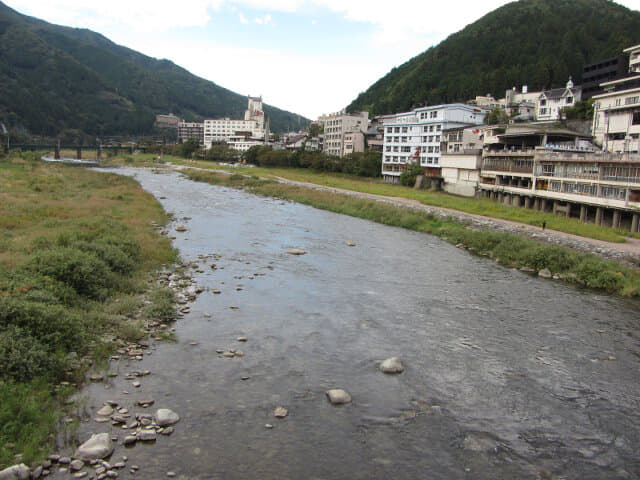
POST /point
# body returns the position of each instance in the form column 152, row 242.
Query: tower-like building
column 239, row 134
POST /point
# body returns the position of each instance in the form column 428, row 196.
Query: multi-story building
column 616, row 115
column 460, row 160
column 191, row 131
column 229, row 131
column 560, row 171
column 354, row 141
column 167, row 121
column 337, row 125
column 603, row 71
column 551, row 103
column 414, row 137
column 634, row 58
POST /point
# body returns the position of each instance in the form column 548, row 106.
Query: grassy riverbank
column 478, row 206
column 510, row 250
column 77, row 250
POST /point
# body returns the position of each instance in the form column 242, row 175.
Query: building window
column 543, row 102
column 404, row 129
column 543, row 111
column 389, row 130
column 397, row 130
column 635, row 120
column 569, row 99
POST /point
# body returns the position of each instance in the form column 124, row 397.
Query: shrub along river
column 506, row 375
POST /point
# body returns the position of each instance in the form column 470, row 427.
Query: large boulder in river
column 16, row 472
column 165, row 417
column 97, row 447
column 337, row 396
column 392, row 365
column 545, row 273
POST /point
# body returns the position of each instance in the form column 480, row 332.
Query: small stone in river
column 64, row 460
column 147, row 436
column 165, row 417
column 98, row 446
column 392, row 365
column 280, row 412
column 337, row 396
column 17, row 472
column 207, row 315
column 193, row 343
column 76, row 465
column 171, row 474
column 268, row 425
column 296, row 251
column 105, row 411
column 350, row 243
column 545, row 273
column 129, row 440
column 229, row 354
column 215, row 291
column 146, row 402
column 181, row 228
column 80, row 474
column 245, row 378
column 239, row 353
column 242, row 339
column 96, row 377
column 136, row 384
column 167, row 431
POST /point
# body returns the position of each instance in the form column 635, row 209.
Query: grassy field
column 478, row 206
column 510, row 250
column 77, row 252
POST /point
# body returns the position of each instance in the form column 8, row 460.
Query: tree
column 583, row 110
column 496, row 116
column 315, row 129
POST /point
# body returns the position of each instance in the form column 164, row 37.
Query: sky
column 306, row 56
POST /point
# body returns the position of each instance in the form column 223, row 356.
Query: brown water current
column 506, row 375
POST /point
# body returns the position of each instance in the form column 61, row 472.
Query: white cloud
column 264, row 20
column 243, row 19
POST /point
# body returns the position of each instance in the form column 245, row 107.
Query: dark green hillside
column 538, row 43
column 54, row 78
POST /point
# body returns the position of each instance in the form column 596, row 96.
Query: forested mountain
column 54, row 78
column 538, row 43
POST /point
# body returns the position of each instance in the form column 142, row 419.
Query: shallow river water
column 507, row 375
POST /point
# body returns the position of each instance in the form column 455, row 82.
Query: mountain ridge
column 538, row 43
column 55, row 78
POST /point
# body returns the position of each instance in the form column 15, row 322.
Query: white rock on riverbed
column 337, row 396
column 181, row 228
column 280, row 412
column 98, row 446
column 392, row 365
column 165, row 417
column 105, row 411
column 296, row 251
column 16, row 472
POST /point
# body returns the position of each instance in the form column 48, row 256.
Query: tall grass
column 73, row 243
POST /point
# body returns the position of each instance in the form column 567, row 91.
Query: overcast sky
column 306, row 56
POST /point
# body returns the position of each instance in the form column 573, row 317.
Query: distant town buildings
column 167, row 121
column 600, row 72
column 239, row 134
column 340, row 132
column 414, row 137
column 191, row 131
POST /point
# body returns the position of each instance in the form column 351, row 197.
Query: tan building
column 460, row 160
column 191, row 131
column 337, row 125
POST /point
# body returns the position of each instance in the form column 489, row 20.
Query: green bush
column 84, row 272
column 56, row 326
column 408, row 178
column 22, row 357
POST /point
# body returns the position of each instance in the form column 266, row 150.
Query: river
column 506, row 375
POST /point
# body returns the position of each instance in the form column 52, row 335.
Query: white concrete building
column 616, row 113
column 550, row 103
column 337, row 125
column 415, row 136
column 252, row 126
column 634, row 58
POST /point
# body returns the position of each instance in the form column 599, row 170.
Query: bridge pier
column 56, row 155
column 79, row 153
